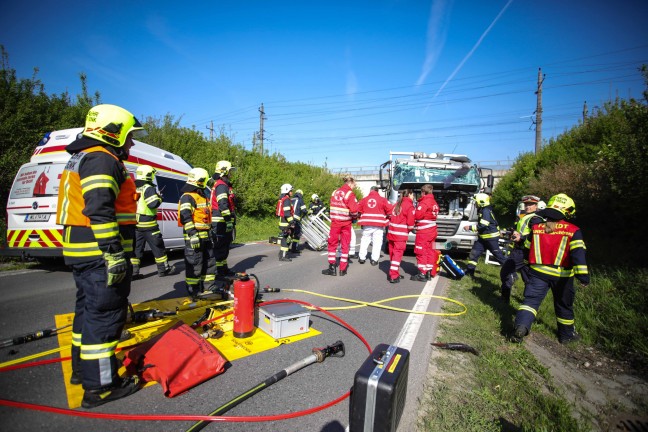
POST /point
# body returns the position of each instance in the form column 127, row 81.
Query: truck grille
column 447, row 227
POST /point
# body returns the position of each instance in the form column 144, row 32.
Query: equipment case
column 379, row 390
column 452, row 268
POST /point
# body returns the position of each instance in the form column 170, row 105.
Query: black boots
column 94, row 398
column 331, row 271
column 519, row 333
column 283, row 256
column 419, row 277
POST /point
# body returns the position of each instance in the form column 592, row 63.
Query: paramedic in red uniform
column 223, row 217
column 374, row 211
column 556, row 255
column 401, row 222
column 96, row 206
column 343, row 208
column 425, row 216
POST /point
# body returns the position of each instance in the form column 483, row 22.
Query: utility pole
column 211, row 130
column 585, row 112
column 261, row 118
column 538, row 137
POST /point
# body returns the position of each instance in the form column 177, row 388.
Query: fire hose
column 318, row 356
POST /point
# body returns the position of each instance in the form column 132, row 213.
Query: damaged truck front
column 455, row 180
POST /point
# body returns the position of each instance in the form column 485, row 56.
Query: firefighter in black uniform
column 316, row 205
column 96, row 206
column 286, row 221
column 223, row 217
column 194, row 215
column 516, row 261
column 299, row 211
column 148, row 230
column 556, row 256
column 488, row 234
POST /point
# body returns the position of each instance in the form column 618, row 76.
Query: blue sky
column 342, row 83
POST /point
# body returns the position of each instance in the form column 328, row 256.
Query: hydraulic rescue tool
column 455, row 346
column 318, row 356
column 40, row 334
column 147, row 315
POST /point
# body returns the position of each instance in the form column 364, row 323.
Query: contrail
column 481, row 38
column 436, row 36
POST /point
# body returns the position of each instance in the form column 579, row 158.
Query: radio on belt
column 282, row 320
column 379, row 390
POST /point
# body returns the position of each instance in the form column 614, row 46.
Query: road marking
column 19, row 272
column 411, row 327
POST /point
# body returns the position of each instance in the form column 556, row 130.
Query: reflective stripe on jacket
column 374, row 210
column 426, row 213
column 401, row 224
column 343, row 206
column 194, row 213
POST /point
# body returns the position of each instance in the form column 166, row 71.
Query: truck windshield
column 406, row 176
column 37, row 181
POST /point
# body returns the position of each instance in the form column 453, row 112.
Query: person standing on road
column 488, row 234
column 401, row 222
column 556, row 255
column 425, row 215
column 147, row 228
column 299, row 211
column 516, row 259
column 223, row 215
column 194, row 215
column 96, row 206
column 286, row 220
column 316, row 205
column 344, row 208
column 374, row 210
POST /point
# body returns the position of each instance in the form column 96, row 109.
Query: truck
column 32, row 231
column 455, row 180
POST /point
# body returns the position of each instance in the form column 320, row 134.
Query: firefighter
column 316, row 205
column 425, row 215
column 286, row 221
column 556, row 255
column 488, row 234
column 344, row 208
column 147, row 229
column 374, row 210
column 516, row 259
column 194, row 215
column 223, row 217
column 96, row 206
column 299, row 211
column 401, row 222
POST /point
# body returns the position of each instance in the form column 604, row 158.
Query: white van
column 31, row 208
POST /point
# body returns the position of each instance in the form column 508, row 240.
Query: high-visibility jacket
column 284, row 211
column 486, row 227
column 343, row 206
column 96, row 203
column 299, row 207
column 147, row 204
column 522, row 226
column 194, row 214
column 560, row 253
column 426, row 213
column 223, row 202
column 374, row 210
column 402, row 223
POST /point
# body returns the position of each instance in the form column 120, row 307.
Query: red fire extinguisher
column 244, row 297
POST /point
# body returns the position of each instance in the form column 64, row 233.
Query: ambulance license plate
column 37, row 217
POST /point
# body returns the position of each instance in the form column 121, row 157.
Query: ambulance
column 32, row 231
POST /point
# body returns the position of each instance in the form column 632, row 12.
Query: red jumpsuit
column 426, row 232
column 399, row 227
column 343, row 207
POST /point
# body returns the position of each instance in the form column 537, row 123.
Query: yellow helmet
column 111, row 124
column 223, row 167
column 145, row 172
column 197, row 177
column 314, row 197
column 299, row 191
column 482, row 199
column 563, row 204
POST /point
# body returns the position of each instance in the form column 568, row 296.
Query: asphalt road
column 31, row 298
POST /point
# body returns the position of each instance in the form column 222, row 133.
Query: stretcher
column 315, row 229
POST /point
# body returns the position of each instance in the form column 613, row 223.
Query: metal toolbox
column 281, row 320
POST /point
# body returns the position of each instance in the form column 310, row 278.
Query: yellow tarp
column 230, row 347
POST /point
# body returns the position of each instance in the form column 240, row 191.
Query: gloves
column 117, row 266
column 229, row 226
column 194, row 241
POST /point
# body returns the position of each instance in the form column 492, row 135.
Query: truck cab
column 455, row 181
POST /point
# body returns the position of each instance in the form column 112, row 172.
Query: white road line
column 411, row 327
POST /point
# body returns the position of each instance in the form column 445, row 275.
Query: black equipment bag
column 451, row 267
column 379, row 390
